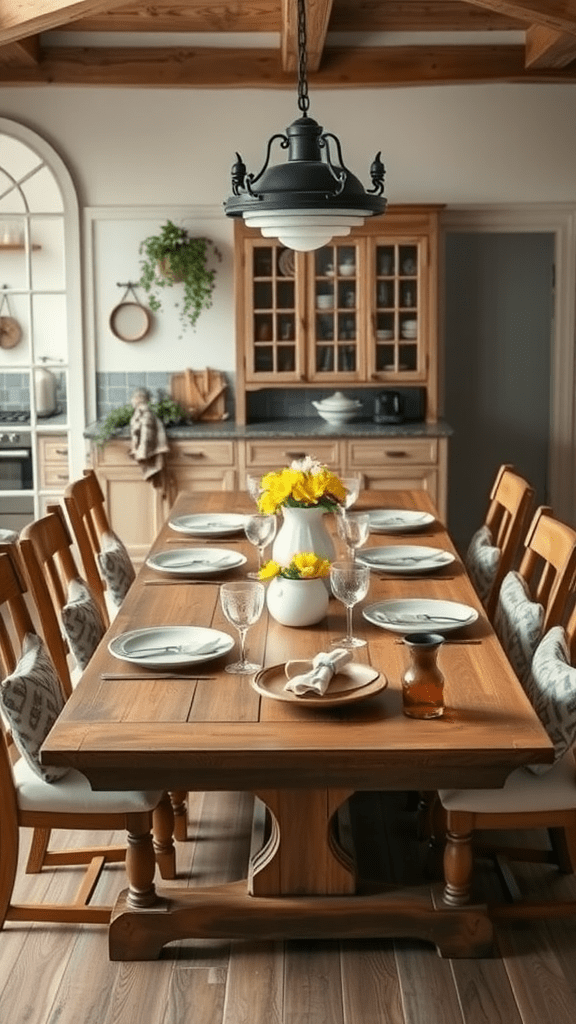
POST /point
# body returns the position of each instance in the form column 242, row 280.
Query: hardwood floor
column 55, row 974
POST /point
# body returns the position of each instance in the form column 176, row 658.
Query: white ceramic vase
column 297, row 602
column 302, row 530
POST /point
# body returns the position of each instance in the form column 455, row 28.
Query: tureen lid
column 338, row 401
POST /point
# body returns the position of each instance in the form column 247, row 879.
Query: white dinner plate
column 152, row 647
column 405, row 559
column 195, row 561
column 398, row 520
column 209, row 524
column 420, row 615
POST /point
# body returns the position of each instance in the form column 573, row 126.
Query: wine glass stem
column 349, row 610
column 261, row 548
column 242, row 633
column 351, row 552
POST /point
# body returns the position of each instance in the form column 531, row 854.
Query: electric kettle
column 389, row 407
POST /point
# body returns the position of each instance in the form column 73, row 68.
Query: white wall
column 163, row 148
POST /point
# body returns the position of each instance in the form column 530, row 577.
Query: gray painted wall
column 498, row 319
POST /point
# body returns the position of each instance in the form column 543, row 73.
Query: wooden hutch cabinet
column 361, row 311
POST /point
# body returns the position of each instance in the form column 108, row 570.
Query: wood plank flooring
column 56, row 974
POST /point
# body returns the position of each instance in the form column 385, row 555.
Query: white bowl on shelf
column 347, row 269
column 325, row 301
column 385, row 334
column 338, row 408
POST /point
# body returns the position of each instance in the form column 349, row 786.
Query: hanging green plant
column 173, row 256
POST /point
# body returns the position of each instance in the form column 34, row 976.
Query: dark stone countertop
column 312, row 427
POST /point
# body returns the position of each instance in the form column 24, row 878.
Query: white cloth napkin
column 324, row 666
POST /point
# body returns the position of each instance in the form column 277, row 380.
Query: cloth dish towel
column 149, row 444
column 324, row 666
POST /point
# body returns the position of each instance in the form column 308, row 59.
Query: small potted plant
column 173, row 256
column 297, row 595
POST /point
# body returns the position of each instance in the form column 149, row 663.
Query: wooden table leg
column 140, row 861
column 302, row 817
column 292, row 895
column 458, row 860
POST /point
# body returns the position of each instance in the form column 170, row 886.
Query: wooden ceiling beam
column 342, row 68
column 317, row 18
column 546, row 48
column 265, row 16
column 24, row 52
column 19, row 19
column 556, row 14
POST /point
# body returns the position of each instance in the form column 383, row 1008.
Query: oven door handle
column 14, row 453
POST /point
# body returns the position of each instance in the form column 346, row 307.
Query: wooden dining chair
column 494, row 547
column 537, row 798
column 86, row 511
column 107, row 564
column 41, row 799
column 69, row 615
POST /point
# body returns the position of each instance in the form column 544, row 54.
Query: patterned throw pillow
column 518, row 624
column 117, row 569
column 82, row 622
column 552, row 692
column 482, row 560
column 31, row 701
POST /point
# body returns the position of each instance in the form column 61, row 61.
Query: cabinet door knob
column 396, row 454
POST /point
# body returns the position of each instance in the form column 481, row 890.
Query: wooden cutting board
column 202, row 393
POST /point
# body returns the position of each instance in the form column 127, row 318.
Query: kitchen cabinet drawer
column 202, row 453
column 269, row 455
column 392, row 452
column 53, row 467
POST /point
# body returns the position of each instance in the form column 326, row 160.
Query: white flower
column 307, row 465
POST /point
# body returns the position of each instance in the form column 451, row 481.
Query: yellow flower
column 304, row 484
column 306, row 564
column 269, row 571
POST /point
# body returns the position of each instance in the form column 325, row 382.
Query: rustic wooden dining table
column 201, row 728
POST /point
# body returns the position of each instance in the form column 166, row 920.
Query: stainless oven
column 16, row 477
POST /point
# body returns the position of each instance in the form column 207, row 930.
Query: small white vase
column 297, row 602
column 302, row 529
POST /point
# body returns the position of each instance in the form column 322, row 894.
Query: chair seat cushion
column 82, row 622
column 551, row 688
column 73, row 794
column 518, row 623
column 31, row 700
column 523, row 791
column 482, row 560
column 116, row 566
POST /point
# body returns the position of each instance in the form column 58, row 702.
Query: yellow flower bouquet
column 303, row 566
column 306, row 483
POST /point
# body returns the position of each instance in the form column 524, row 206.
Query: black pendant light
column 313, row 197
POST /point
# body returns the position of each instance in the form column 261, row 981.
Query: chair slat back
column 46, row 549
column 84, row 502
column 511, row 500
column 15, row 619
column 548, row 565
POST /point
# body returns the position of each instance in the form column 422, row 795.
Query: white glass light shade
column 304, row 230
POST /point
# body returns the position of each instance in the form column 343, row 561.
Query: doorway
column 499, row 309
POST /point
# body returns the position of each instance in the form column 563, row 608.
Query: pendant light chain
column 303, row 99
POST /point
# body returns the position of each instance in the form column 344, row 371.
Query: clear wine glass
column 253, row 486
column 260, row 529
column 352, row 485
column 349, row 582
column 242, row 603
column 354, row 529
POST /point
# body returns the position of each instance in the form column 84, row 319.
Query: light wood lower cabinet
column 136, row 508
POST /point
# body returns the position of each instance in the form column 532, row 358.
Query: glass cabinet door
column 334, row 312
column 273, row 328
column 398, row 308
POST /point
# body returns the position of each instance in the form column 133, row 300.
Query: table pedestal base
column 229, row 911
